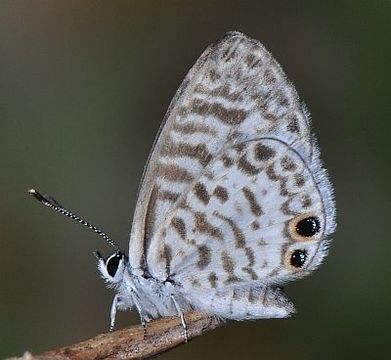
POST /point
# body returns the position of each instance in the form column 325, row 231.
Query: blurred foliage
column 83, row 88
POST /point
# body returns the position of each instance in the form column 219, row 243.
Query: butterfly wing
column 236, row 92
column 247, row 226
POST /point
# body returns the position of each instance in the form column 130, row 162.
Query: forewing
column 234, row 93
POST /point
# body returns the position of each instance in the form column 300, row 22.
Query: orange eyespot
column 298, row 258
column 308, row 226
column 305, row 227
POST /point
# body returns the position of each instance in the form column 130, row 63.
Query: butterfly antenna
column 54, row 204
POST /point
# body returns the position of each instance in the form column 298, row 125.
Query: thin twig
column 163, row 335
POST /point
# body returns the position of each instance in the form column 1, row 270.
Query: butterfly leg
column 141, row 315
column 113, row 312
column 180, row 314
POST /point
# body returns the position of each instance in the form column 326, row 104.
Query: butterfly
column 234, row 201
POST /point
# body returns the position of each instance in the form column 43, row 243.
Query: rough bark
column 162, row 335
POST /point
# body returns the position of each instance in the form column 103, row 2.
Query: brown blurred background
column 83, row 88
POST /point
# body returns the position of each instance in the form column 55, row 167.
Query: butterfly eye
column 113, row 263
column 308, row 226
column 298, row 258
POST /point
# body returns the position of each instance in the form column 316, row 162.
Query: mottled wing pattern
column 236, row 92
column 237, row 224
column 229, row 241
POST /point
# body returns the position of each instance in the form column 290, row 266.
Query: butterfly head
column 112, row 268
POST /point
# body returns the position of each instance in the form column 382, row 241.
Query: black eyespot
column 308, row 226
column 112, row 264
column 298, row 258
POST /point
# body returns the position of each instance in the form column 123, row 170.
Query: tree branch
column 163, row 335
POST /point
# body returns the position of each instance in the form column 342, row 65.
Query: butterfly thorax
column 152, row 297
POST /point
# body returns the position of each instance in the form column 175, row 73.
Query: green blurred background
column 83, row 88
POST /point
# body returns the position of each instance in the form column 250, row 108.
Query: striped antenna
column 53, row 204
